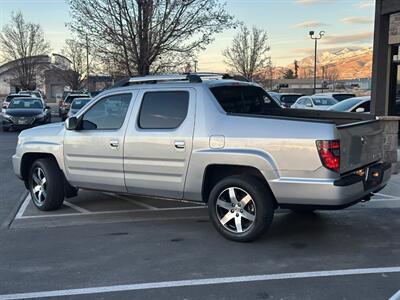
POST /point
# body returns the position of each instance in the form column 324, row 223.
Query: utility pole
column 316, row 38
column 195, row 65
column 87, row 61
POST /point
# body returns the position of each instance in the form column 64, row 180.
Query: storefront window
column 395, row 81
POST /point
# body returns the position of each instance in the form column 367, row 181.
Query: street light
column 316, row 38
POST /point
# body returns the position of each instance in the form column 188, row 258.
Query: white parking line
column 384, row 195
column 395, row 296
column 139, row 203
column 198, row 282
column 111, row 212
column 76, row 207
column 23, row 207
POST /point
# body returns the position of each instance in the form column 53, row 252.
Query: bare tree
column 332, row 75
column 248, row 53
column 141, row 34
column 75, row 72
column 24, row 43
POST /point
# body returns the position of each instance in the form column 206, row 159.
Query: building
column 50, row 77
column 386, row 59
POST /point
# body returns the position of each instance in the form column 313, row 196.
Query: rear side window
column 163, row 110
column 243, row 99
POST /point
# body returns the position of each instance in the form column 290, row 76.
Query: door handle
column 114, row 144
column 179, row 144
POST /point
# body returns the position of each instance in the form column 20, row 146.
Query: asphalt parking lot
column 109, row 246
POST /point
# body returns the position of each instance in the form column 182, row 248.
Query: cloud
column 365, row 4
column 309, row 24
column 310, row 2
column 360, row 37
column 356, row 20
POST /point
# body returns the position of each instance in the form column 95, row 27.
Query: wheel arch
column 214, row 173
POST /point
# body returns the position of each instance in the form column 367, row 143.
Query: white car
column 314, row 102
column 356, row 104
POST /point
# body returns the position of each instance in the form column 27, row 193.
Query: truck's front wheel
column 241, row 208
column 46, row 184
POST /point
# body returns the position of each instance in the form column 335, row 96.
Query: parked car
column 314, row 102
column 215, row 141
column 9, row 97
column 286, row 99
column 356, row 104
column 337, row 96
column 23, row 113
column 65, row 105
column 37, row 94
column 77, row 104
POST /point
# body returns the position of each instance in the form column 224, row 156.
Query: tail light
column 329, row 153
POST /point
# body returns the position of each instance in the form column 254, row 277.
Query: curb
column 10, row 218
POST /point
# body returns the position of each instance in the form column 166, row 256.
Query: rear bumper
column 330, row 193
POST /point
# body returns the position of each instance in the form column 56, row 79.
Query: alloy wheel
column 39, row 186
column 236, row 210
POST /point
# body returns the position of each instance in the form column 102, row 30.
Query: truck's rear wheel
column 241, row 208
column 46, row 184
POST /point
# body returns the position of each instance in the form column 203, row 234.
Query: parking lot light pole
column 316, row 38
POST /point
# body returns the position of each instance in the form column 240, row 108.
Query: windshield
column 79, row 103
column 345, row 105
column 319, row 101
column 25, row 103
column 243, row 99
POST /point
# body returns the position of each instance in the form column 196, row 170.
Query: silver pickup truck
column 206, row 138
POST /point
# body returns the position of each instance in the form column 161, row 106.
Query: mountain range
column 348, row 63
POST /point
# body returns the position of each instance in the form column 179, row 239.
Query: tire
column 254, row 214
column 47, row 194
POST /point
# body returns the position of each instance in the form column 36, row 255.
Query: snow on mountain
column 349, row 63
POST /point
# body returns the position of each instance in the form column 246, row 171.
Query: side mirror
column 71, row 123
column 308, row 105
column 360, row 109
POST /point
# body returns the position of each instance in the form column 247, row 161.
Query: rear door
column 361, row 144
column 158, row 142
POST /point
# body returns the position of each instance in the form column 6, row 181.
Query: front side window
column 107, row 114
column 163, row 110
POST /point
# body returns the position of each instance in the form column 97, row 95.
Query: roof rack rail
column 188, row 77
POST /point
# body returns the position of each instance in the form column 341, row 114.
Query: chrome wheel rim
column 236, row 210
column 39, row 186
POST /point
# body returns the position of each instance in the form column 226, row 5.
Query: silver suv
column 206, row 138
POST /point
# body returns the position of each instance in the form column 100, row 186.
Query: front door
column 158, row 142
column 93, row 153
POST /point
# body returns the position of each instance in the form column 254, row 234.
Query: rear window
column 243, row 99
column 289, row 99
column 344, row 105
column 72, row 97
column 340, row 97
column 324, row 101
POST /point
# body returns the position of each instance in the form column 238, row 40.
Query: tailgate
column 361, row 143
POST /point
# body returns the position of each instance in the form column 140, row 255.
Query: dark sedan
column 23, row 113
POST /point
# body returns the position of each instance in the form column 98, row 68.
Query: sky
column 347, row 23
